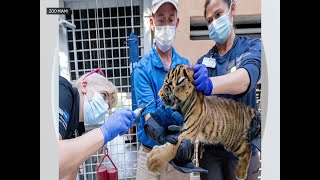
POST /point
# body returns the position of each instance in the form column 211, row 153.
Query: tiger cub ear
column 188, row 72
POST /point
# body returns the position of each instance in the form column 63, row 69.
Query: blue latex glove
column 201, row 79
column 118, row 123
column 167, row 118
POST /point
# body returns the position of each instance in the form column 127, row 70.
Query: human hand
column 201, row 80
column 118, row 123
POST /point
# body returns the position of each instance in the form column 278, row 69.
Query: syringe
column 140, row 110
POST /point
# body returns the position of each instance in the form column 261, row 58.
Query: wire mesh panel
column 99, row 40
column 124, row 155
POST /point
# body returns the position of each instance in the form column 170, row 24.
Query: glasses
column 94, row 71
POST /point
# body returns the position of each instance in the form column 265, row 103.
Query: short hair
column 228, row 2
column 97, row 79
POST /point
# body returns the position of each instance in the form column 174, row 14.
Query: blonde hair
column 97, row 79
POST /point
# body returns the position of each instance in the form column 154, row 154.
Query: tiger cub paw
column 241, row 173
column 157, row 158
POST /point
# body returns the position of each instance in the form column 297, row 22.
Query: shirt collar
column 157, row 61
column 215, row 50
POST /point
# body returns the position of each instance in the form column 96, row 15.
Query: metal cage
column 99, row 40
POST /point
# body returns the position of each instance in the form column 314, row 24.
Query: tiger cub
column 208, row 119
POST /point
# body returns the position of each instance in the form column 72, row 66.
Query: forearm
column 73, row 152
column 233, row 83
column 71, row 176
column 147, row 116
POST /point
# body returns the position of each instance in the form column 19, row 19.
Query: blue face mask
column 95, row 109
column 220, row 28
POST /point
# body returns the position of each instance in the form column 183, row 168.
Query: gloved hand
column 254, row 133
column 183, row 160
column 167, row 118
column 255, row 127
column 184, row 153
column 159, row 134
column 201, row 79
column 118, row 123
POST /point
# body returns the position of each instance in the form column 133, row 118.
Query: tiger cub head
column 177, row 87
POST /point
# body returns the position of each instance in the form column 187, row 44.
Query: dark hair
column 208, row 2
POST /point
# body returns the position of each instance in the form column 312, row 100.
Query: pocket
column 142, row 161
column 142, row 153
column 142, row 168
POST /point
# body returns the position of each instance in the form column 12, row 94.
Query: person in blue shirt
column 149, row 76
column 231, row 69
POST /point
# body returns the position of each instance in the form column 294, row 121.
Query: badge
column 209, row 62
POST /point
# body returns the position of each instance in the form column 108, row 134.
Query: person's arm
column 233, row 83
column 73, row 152
column 71, row 176
column 240, row 81
column 147, row 116
column 143, row 92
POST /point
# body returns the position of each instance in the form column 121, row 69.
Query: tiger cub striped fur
column 208, row 119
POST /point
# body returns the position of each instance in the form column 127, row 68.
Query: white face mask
column 95, row 109
column 164, row 37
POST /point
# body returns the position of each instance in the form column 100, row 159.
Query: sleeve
column 65, row 107
column 143, row 90
column 187, row 62
column 252, row 63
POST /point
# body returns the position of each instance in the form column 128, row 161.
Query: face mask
column 220, row 28
column 95, row 109
column 164, row 37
